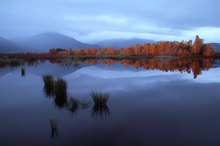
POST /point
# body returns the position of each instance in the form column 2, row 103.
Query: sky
column 96, row 20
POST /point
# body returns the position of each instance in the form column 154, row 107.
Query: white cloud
column 97, row 19
column 152, row 19
column 96, row 36
column 210, row 34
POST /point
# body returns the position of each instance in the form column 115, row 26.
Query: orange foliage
column 181, row 64
column 208, row 50
column 182, row 49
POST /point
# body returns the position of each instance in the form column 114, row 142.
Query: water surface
column 149, row 104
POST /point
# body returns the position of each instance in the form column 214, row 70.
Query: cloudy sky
column 93, row 20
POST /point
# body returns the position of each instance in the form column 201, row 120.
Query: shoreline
column 115, row 57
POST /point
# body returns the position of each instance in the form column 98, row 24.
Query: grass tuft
column 48, row 85
column 60, row 88
column 99, row 98
column 73, row 105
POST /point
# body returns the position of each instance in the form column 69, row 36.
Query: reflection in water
column 2, row 63
column 53, row 126
column 100, row 111
column 177, row 111
column 73, row 105
column 100, row 108
column 14, row 62
column 194, row 65
column 57, row 90
column 23, row 72
column 99, row 98
column 170, row 64
column 85, row 104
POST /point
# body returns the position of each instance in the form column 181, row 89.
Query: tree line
column 182, row 49
column 188, row 65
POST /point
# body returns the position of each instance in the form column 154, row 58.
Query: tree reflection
column 188, row 65
column 2, row 63
column 196, row 68
column 194, row 65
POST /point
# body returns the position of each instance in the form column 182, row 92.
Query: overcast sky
column 93, row 20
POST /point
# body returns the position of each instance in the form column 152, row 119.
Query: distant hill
column 7, row 46
column 216, row 46
column 41, row 43
column 120, row 43
column 45, row 41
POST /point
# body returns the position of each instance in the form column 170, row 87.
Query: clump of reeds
column 85, row 104
column 60, row 88
column 73, row 105
column 22, row 71
column 99, row 98
column 60, row 92
column 56, row 89
column 48, row 85
column 100, row 111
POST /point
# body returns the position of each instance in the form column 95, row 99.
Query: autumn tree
column 70, row 52
column 208, row 50
column 110, row 51
column 183, row 49
column 137, row 49
column 86, row 51
column 126, row 51
column 78, row 52
column 189, row 45
column 146, row 49
column 93, row 51
column 197, row 46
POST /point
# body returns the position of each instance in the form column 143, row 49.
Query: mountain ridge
column 7, row 46
column 48, row 40
column 216, row 46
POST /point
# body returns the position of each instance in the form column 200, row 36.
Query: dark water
column 145, row 107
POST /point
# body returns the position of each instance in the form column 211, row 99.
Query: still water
column 148, row 104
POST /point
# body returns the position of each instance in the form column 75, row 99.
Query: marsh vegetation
column 141, row 98
column 57, row 88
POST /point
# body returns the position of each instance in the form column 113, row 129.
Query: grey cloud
column 83, row 17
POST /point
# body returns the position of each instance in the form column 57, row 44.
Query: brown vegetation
column 177, row 49
column 181, row 49
column 175, row 64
